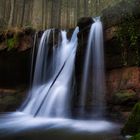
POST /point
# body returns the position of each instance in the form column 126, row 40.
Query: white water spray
column 48, row 104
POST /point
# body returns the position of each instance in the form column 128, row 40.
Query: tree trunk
column 11, row 13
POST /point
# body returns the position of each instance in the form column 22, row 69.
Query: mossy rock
column 11, row 43
column 136, row 137
column 8, row 103
column 132, row 126
column 124, row 96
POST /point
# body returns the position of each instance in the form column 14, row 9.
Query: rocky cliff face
column 121, row 57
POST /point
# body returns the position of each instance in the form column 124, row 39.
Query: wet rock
column 20, row 39
column 125, row 97
column 29, row 31
column 84, row 28
column 123, row 90
column 11, row 99
column 69, row 33
column 132, row 125
column 123, row 79
column 110, row 33
column 113, row 54
column 25, row 43
column 14, row 68
column 84, row 22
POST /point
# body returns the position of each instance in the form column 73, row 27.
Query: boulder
column 132, row 126
column 84, row 22
column 124, row 97
column 11, row 99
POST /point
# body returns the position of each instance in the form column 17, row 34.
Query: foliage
column 132, row 126
column 124, row 95
column 128, row 35
column 11, row 42
column 128, row 31
column 136, row 137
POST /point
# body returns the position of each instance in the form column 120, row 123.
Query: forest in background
column 42, row 14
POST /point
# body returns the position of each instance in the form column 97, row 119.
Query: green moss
column 132, row 126
column 7, row 102
column 136, row 137
column 124, row 95
column 11, row 42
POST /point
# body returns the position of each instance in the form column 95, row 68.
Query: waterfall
column 93, row 80
column 52, row 83
column 47, row 107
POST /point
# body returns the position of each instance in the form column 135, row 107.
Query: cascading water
column 94, row 70
column 48, row 105
column 50, row 96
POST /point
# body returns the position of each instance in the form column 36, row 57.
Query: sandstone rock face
column 123, row 90
column 123, row 79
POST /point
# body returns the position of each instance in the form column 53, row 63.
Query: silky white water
column 48, row 105
column 93, row 68
column 49, row 97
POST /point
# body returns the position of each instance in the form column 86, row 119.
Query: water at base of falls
column 47, row 107
column 21, row 126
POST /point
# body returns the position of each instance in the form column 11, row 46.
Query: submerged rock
column 132, row 126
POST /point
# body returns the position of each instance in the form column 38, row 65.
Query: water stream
column 94, row 71
column 47, row 109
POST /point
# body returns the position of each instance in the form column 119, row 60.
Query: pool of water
column 18, row 126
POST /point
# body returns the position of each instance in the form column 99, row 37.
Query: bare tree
column 11, row 13
column 22, row 14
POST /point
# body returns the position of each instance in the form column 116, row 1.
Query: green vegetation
column 11, row 42
column 124, row 95
column 132, row 126
column 136, row 137
column 128, row 34
column 128, row 31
